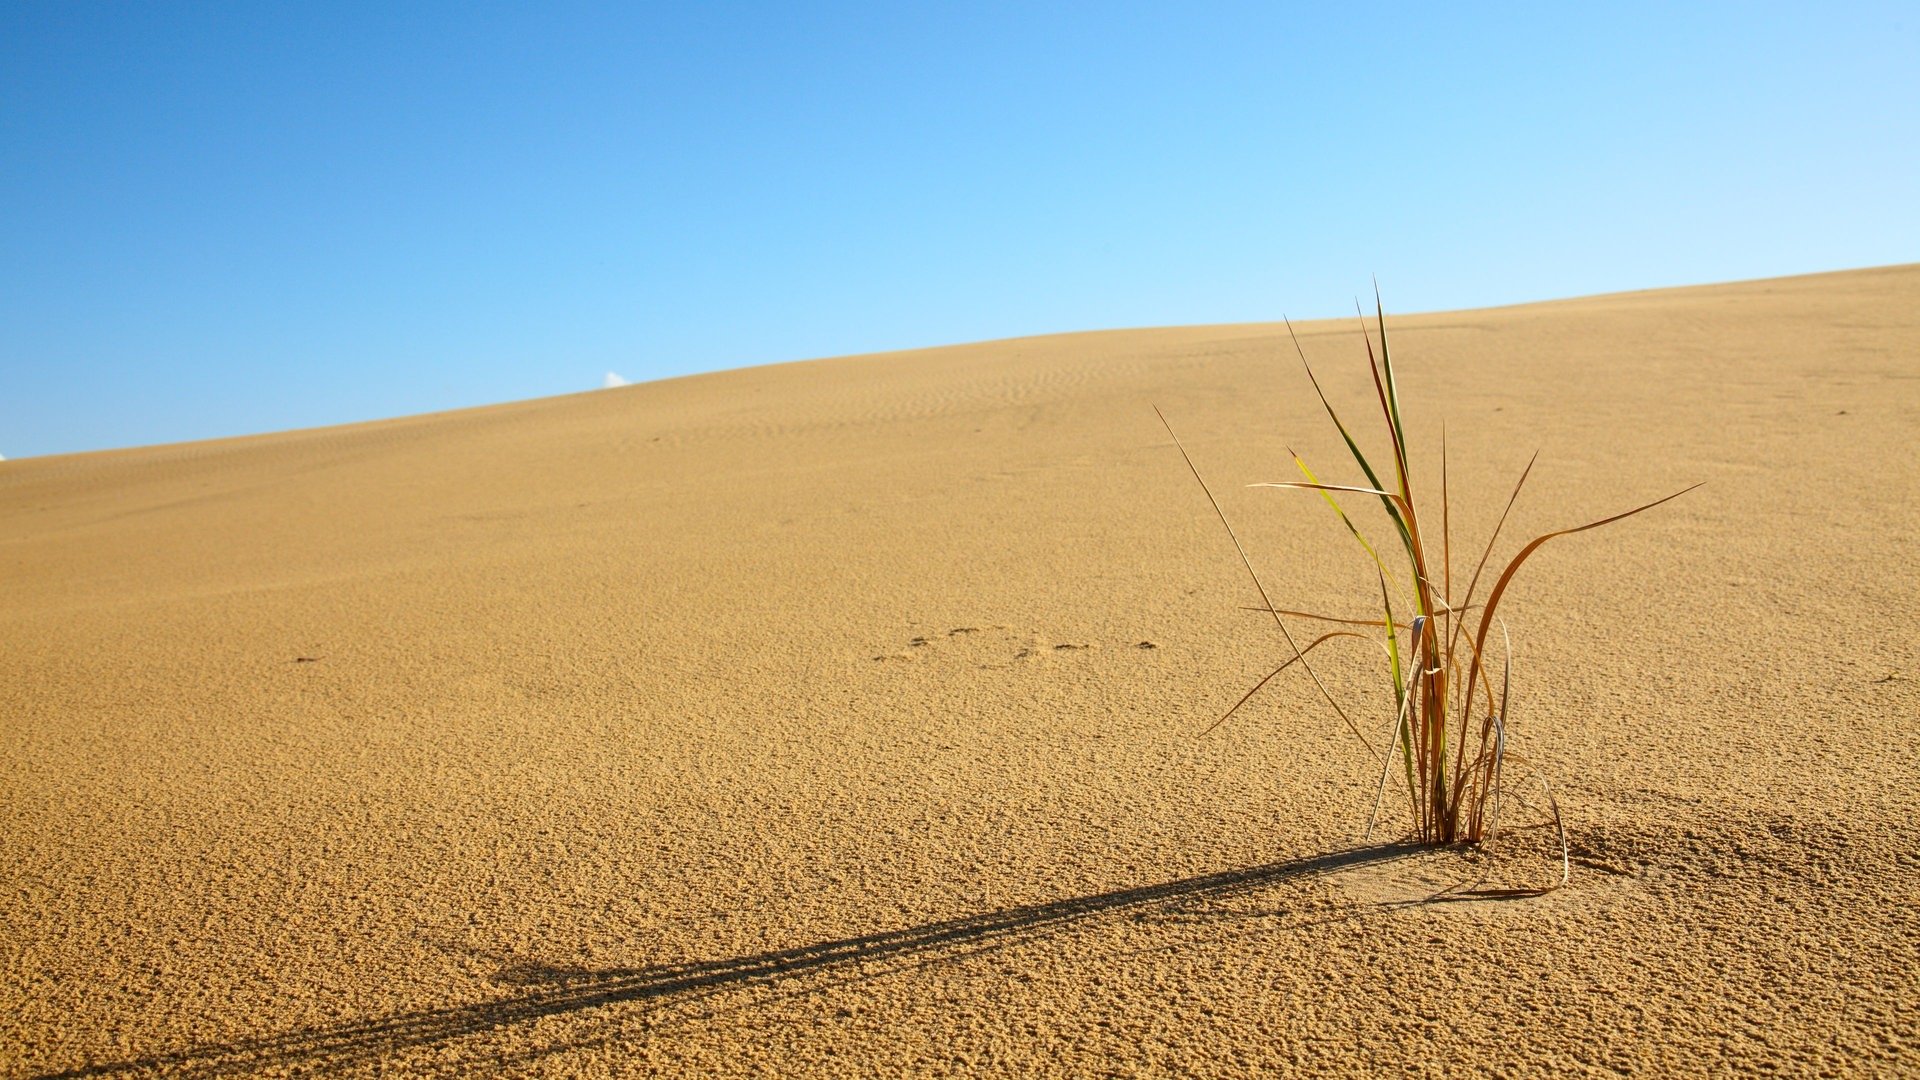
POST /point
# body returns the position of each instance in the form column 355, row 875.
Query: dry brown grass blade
column 1473, row 583
column 1326, row 618
column 1264, row 598
column 1513, row 567
column 1397, row 500
column 1441, row 608
column 1269, row 677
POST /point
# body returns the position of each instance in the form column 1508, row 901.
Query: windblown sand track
column 840, row 717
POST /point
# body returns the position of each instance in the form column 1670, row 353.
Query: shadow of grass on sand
column 557, row 992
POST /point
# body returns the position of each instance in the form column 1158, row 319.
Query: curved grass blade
column 1506, row 576
column 1248, row 696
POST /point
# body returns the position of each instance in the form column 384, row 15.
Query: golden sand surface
column 843, row 718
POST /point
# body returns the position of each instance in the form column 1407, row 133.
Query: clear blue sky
column 226, row 218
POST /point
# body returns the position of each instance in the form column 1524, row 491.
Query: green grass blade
column 1352, row 447
column 1401, row 736
column 1348, row 522
column 1389, row 406
column 1393, row 394
column 1393, row 649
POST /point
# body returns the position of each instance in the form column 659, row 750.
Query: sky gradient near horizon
column 221, row 219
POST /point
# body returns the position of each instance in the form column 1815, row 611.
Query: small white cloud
column 612, row 380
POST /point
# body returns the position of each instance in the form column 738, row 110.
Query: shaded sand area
column 841, row 718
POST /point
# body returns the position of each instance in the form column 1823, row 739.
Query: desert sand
column 843, row 718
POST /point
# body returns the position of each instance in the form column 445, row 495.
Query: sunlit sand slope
column 842, row 718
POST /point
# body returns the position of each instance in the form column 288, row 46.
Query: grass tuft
column 1449, row 731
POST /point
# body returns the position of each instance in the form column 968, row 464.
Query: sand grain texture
column 801, row 720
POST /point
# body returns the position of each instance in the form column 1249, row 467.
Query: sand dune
column 840, row 718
